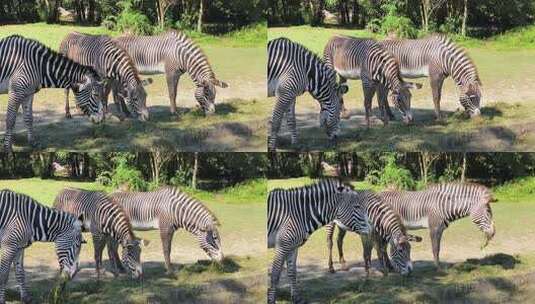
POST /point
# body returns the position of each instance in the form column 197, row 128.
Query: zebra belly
column 4, row 86
column 420, row 223
column 349, row 74
column 151, row 69
column 415, row 72
column 145, row 225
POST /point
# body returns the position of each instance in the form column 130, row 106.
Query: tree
column 195, row 170
column 162, row 6
column 201, row 13
column 428, row 8
column 158, row 159
column 426, row 161
column 465, row 17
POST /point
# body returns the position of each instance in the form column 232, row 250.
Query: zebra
column 112, row 62
column 105, row 220
column 387, row 228
column 439, row 205
column 26, row 66
column 169, row 209
column 293, row 70
column 365, row 59
column 174, row 54
column 24, row 221
column 437, row 57
column 294, row 214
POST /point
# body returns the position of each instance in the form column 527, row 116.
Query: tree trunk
column 195, row 170
column 465, row 17
column 91, row 11
column 201, row 12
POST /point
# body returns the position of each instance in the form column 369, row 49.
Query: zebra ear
column 343, row 89
column 220, row 83
column 412, row 85
column 146, row 82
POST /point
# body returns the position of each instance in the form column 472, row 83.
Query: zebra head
column 351, row 213
column 68, row 245
column 205, row 94
column 402, row 100
column 481, row 215
column 210, row 242
column 400, row 252
column 131, row 256
column 470, row 98
column 331, row 108
column 89, row 96
column 134, row 94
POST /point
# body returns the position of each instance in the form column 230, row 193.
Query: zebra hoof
column 331, row 270
column 344, row 267
column 68, row 115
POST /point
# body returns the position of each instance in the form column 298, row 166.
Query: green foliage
column 395, row 24
column 518, row 190
column 125, row 174
column 392, row 175
column 132, row 20
column 452, row 25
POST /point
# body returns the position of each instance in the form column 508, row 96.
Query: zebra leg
column 276, row 269
column 67, row 108
column 436, row 236
column 292, row 276
column 11, row 117
column 329, row 228
column 113, row 256
column 292, row 124
column 340, row 244
column 367, row 247
column 281, row 107
column 27, row 115
column 21, row 277
column 166, row 234
column 98, row 242
column 436, row 87
column 8, row 254
column 172, row 78
column 369, row 91
column 381, row 247
column 382, row 98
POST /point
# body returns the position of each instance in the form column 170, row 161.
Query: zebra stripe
column 169, row 209
column 294, row 214
column 110, row 61
column 24, row 221
column 437, row 57
column 174, row 54
column 26, row 66
column 293, row 70
column 105, row 220
column 365, row 59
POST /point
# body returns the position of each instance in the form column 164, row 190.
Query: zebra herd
column 382, row 220
column 92, row 66
column 111, row 219
column 380, row 65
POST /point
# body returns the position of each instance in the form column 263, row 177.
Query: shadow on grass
column 425, row 284
column 457, row 132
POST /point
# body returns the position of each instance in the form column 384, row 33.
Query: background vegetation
column 139, row 16
column 407, row 18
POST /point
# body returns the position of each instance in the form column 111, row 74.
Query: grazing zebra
column 24, row 221
column 105, row 220
column 437, row 57
column 439, row 205
column 169, row 209
column 174, row 54
column 387, row 229
column 26, row 66
column 111, row 62
column 292, row 71
column 294, row 214
column 365, row 59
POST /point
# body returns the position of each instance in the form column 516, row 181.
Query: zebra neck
column 48, row 224
column 60, row 72
column 458, row 65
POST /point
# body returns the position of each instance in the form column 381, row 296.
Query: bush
column 452, row 25
column 131, row 20
column 391, row 175
column 395, row 24
column 124, row 174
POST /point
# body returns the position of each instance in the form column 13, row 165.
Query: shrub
column 395, row 24
column 391, row 175
column 452, row 25
column 124, row 174
column 131, row 20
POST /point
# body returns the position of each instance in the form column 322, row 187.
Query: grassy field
column 506, row 124
column 238, row 125
column 242, row 276
column 503, row 272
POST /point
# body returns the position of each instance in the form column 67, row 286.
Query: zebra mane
column 320, row 182
column 61, row 56
column 215, row 220
column 445, row 40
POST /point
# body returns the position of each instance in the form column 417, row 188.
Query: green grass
column 518, row 190
column 241, row 276
column 502, row 272
column 52, row 34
